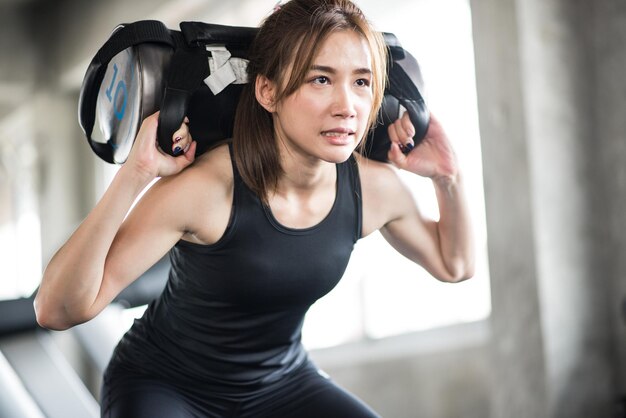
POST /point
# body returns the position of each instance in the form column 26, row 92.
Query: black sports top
column 230, row 317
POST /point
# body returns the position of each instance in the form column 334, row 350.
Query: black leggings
column 307, row 394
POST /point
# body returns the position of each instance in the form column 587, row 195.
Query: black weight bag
column 199, row 72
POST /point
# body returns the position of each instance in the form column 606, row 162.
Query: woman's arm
column 106, row 253
column 444, row 247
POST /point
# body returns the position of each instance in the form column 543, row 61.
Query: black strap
column 396, row 52
column 403, row 85
column 188, row 68
column 210, row 33
column 123, row 37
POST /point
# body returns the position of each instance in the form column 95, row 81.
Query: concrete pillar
column 518, row 386
column 555, row 71
column 607, row 33
column 557, row 76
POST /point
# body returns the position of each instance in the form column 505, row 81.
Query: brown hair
column 296, row 29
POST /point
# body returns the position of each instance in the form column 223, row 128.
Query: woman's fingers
column 401, row 132
column 393, row 134
column 181, row 140
column 407, row 127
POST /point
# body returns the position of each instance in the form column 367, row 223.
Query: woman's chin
column 338, row 154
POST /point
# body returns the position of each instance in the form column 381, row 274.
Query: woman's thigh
column 124, row 395
column 307, row 394
column 313, row 396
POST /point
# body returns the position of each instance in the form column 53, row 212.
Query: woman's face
column 327, row 116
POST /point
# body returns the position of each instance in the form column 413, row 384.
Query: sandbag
column 199, row 71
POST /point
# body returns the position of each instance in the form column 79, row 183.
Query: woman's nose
column 344, row 103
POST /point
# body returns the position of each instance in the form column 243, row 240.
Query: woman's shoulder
column 385, row 196
column 376, row 175
column 209, row 175
column 381, row 182
column 198, row 199
column 215, row 163
column 212, row 165
column 214, row 158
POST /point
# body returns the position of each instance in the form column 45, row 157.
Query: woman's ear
column 265, row 91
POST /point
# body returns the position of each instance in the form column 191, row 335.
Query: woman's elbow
column 466, row 275
column 46, row 317
column 458, row 272
column 51, row 316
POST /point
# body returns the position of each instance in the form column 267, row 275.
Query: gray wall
column 552, row 95
column 438, row 373
column 551, row 100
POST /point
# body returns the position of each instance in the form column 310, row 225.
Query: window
column 20, row 232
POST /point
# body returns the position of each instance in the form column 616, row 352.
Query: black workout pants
column 307, row 394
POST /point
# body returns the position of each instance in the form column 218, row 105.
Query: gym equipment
column 36, row 377
column 15, row 401
column 144, row 67
column 36, row 380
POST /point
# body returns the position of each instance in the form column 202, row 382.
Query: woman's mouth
column 339, row 136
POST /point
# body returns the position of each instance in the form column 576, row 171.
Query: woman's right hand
column 147, row 159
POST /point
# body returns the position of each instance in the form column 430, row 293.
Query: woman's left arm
column 444, row 247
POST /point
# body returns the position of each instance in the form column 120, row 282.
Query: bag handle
column 404, row 88
column 190, row 67
column 210, row 33
column 404, row 78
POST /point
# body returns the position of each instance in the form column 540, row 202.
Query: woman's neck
column 304, row 174
column 305, row 193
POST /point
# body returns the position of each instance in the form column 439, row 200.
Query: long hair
column 295, row 30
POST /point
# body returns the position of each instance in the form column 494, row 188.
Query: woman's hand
column 433, row 157
column 149, row 160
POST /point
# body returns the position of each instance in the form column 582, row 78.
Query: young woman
column 257, row 230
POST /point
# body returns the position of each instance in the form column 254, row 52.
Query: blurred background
column 533, row 95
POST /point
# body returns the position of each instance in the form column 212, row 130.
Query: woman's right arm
column 101, row 257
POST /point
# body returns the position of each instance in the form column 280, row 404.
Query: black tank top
column 230, row 317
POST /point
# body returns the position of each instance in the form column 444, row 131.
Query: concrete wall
column 608, row 98
column 437, row 373
column 518, row 386
column 551, row 99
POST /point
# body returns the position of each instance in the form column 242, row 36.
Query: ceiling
column 16, row 2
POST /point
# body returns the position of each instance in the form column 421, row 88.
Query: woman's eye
column 363, row 82
column 321, row 80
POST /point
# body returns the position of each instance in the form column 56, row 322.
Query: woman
column 257, row 230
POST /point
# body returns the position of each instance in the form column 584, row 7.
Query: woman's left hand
column 433, row 157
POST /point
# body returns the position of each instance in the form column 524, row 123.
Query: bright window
column 20, row 232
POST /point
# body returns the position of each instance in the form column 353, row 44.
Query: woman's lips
column 338, row 136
